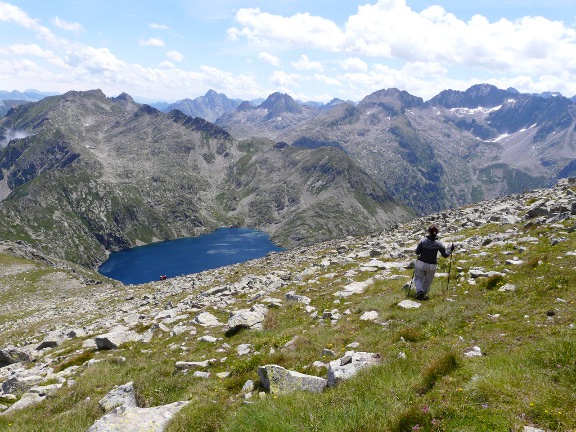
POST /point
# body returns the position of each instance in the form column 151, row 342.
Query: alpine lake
column 179, row 257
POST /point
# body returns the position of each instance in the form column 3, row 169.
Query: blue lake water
column 222, row 247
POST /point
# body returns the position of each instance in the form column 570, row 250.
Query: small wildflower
column 425, row 409
column 460, row 389
column 531, row 403
column 416, row 428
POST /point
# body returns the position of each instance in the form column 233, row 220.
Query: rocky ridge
column 217, row 304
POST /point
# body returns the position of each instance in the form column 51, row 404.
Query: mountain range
column 82, row 174
column 123, row 173
column 459, row 147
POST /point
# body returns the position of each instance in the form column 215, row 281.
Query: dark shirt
column 428, row 248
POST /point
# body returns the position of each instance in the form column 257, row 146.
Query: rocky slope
column 510, row 296
column 90, row 174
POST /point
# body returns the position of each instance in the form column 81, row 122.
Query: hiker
column 427, row 262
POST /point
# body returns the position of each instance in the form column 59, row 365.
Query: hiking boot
column 421, row 296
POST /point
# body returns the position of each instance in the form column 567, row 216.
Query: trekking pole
column 449, row 271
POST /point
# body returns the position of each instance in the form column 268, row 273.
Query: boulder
column 116, row 338
column 123, row 395
column 278, row 380
column 292, row 296
column 473, row 352
column 11, row 355
column 507, row 288
column 379, row 264
column 327, row 353
column 206, row 319
column 477, row 272
column 346, row 367
column 252, row 318
column 354, row 288
column 25, row 401
column 509, row 220
column 538, row 211
column 46, row 389
column 184, row 365
column 243, row 349
column 52, row 340
column 248, row 387
column 369, row 316
column 134, row 419
column 409, row 304
column 18, row 385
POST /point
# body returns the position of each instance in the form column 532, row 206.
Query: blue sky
column 167, row 50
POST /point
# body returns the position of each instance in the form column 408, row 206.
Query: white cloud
column 299, row 30
column 391, row 29
column 152, row 42
column 175, row 55
column 304, row 63
column 67, row 65
column 75, row 28
column 354, row 64
column 33, row 50
column 327, row 80
column 269, row 58
column 10, row 13
column 13, row 14
column 283, row 79
column 420, row 79
column 158, row 26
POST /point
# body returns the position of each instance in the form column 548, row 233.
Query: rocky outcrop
column 346, row 367
column 11, row 355
column 278, row 380
column 115, row 338
column 123, row 395
column 134, row 419
column 252, row 318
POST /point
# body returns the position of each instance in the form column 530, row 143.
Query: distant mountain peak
column 393, row 100
column 209, row 107
column 85, row 94
column 479, row 95
column 278, row 103
column 124, row 97
column 245, row 106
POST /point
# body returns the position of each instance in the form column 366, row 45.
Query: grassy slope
column 527, row 375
